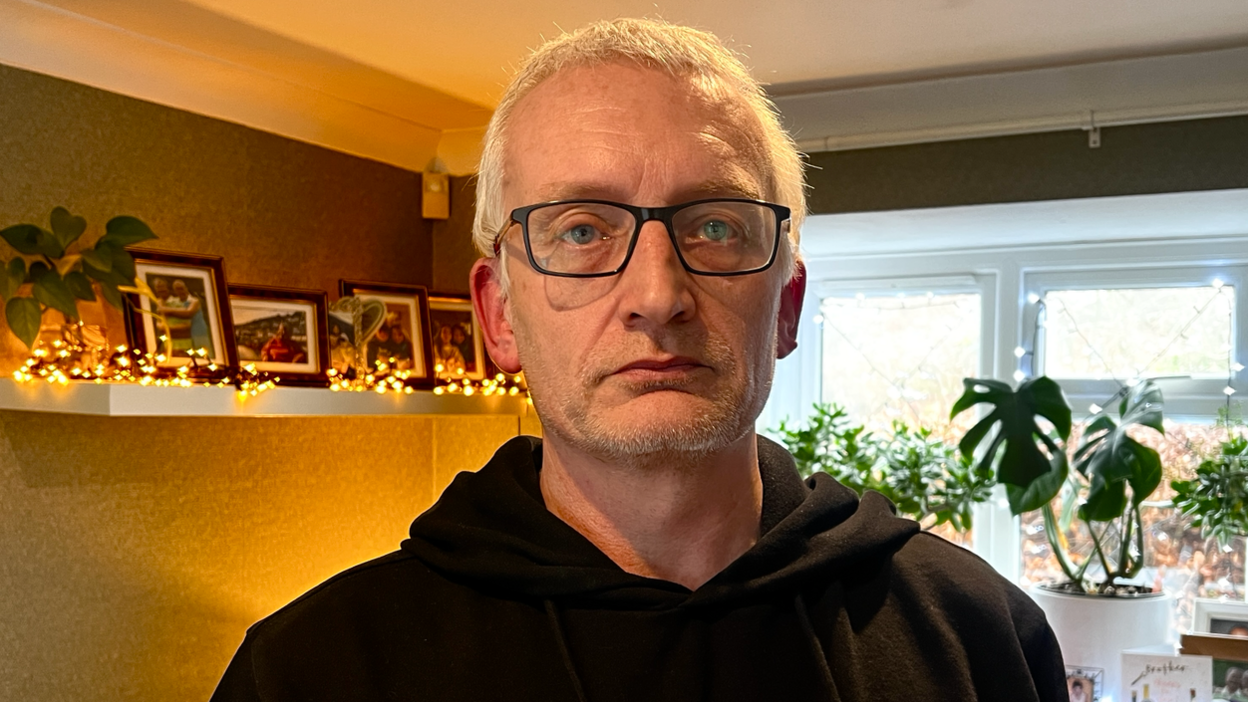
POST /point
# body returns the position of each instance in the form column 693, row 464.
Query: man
column 280, row 349
column 638, row 204
column 1232, row 688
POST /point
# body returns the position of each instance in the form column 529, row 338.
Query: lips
column 660, row 366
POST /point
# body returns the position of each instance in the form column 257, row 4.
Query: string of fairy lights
column 72, row 360
column 1026, row 356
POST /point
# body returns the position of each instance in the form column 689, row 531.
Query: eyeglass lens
column 712, row 237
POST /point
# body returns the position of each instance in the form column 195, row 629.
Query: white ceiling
column 467, row 48
column 404, row 81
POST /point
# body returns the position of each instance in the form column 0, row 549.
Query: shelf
column 123, row 400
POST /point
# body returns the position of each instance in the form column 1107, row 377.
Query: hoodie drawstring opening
column 816, row 648
column 557, row 627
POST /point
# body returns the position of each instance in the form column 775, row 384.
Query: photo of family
column 186, row 290
column 457, row 344
column 397, row 316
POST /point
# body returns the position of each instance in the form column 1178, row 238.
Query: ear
column 790, row 312
column 489, row 300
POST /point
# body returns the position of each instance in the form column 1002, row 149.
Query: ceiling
column 404, row 81
column 467, row 48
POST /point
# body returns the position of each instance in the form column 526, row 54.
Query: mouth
column 670, row 368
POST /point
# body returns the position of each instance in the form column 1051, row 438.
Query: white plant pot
column 1093, row 631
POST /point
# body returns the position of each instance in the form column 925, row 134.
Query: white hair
column 685, row 53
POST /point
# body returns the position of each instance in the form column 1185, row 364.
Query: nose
column 654, row 287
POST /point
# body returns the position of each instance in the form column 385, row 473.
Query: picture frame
column 406, row 308
column 456, row 338
column 1229, row 653
column 1210, row 616
column 283, row 332
column 195, row 288
column 1084, row 684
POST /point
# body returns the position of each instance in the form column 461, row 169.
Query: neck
column 678, row 519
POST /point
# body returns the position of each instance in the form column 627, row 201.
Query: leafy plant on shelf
column 922, row 475
column 60, row 270
column 1217, row 497
column 1114, row 474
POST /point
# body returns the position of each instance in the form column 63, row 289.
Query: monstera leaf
column 1111, row 460
column 1028, row 461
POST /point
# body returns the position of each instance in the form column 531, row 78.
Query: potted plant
column 923, row 476
column 53, row 271
column 1096, row 616
column 1216, row 498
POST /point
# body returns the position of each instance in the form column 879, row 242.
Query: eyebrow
column 721, row 187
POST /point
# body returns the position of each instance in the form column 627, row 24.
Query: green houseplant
column 1113, row 473
column 923, row 476
column 1216, row 498
column 53, row 270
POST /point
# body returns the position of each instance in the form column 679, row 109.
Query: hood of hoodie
column 491, row 530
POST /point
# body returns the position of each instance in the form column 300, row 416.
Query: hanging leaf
column 1018, row 449
column 67, row 227
column 80, row 285
column 111, row 294
column 12, row 277
column 126, row 231
column 97, row 260
column 32, row 241
column 23, row 315
column 1111, row 460
column 121, row 260
column 51, row 290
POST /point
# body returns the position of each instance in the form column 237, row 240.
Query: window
column 895, row 333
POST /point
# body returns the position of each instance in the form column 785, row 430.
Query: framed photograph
column 1084, row 684
column 1220, row 617
column 1230, row 662
column 283, row 331
column 192, row 293
column 457, row 344
column 402, row 336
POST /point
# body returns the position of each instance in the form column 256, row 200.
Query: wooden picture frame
column 1228, row 653
column 456, row 339
column 283, row 332
column 194, row 287
column 407, row 309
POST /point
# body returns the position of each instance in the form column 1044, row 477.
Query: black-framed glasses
column 596, row 238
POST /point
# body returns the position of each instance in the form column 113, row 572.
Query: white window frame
column 1005, row 276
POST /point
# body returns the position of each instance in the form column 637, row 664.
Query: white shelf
column 125, row 400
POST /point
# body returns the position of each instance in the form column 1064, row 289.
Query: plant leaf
column 67, row 227
column 32, row 241
column 1147, row 474
column 51, row 290
column 12, row 277
column 101, row 261
column 1040, row 491
column 111, row 294
column 80, row 285
column 126, row 231
column 23, row 315
column 1046, row 399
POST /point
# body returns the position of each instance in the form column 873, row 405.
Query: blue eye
column 581, row 234
column 716, row 230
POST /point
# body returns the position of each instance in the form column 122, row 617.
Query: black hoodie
column 495, row 598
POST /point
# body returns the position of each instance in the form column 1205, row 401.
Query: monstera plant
column 1113, row 473
column 60, row 271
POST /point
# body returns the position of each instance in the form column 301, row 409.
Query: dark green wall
column 1207, row 154
column 281, row 212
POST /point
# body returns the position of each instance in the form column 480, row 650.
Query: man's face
column 654, row 360
column 160, row 287
column 180, row 289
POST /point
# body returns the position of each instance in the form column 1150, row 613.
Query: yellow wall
column 135, row 552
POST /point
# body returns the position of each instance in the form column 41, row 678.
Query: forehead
column 634, row 134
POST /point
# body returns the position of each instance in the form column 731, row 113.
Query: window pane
column 1127, row 333
column 903, row 358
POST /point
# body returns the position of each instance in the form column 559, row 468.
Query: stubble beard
column 721, row 419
